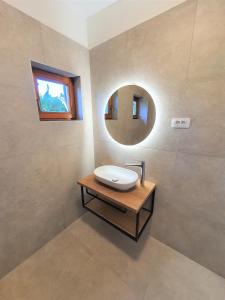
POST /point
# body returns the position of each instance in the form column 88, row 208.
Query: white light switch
column 180, row 122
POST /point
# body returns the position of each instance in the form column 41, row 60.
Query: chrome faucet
column 141, row 165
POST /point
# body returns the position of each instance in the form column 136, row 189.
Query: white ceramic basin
column 116, row 177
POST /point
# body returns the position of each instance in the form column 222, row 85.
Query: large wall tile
column 207, row 141
column 208, row 100
column 20, row 44
column 192, row 234
column 195, row 220
column 208, row 49
column 202, row 178
column 108, row 154
column 73, row 165
column 62, row 53
column 31, row 212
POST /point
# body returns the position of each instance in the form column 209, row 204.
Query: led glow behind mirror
column 130, row 115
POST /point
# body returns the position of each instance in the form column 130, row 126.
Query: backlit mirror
column 130, row 115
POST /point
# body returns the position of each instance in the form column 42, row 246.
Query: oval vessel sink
column 116, row 177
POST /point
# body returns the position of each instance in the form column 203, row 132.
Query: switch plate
column 180, row 123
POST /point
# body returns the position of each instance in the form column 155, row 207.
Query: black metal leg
column 137, row 225
column 82, row 195
column 152, row 202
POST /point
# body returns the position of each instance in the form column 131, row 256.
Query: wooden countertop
column 132, row 199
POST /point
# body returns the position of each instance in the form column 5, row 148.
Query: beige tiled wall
column 179, row 57
column 39, row 161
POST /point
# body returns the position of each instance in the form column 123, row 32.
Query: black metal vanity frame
column 150, row 210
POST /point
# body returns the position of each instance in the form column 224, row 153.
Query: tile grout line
column 188, row 62
column 192, row 40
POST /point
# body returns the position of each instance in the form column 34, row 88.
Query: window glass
column 134, row 108
column 54, row 97
column 107, row 108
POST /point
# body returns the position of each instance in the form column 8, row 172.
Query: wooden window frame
column 108, row 116
column 136, row 99
column 52, row 77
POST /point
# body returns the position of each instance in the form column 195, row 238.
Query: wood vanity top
column 132, row 199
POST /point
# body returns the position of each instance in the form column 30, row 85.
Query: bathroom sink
column 116, row 177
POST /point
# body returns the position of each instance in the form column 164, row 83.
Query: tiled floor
column 91, row 260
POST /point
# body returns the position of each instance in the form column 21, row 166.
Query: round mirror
column 130, row 115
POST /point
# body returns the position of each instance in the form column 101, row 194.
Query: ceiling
column 88, row 8
column 92, row 22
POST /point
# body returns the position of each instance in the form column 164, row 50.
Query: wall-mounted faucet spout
column 141, row 165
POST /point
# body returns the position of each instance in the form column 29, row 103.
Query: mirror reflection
column 130, row 115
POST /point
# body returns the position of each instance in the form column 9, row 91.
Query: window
column 55, row 96
column 135, row 107
column 109, row 109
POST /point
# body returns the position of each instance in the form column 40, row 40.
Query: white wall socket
column 180, row 122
